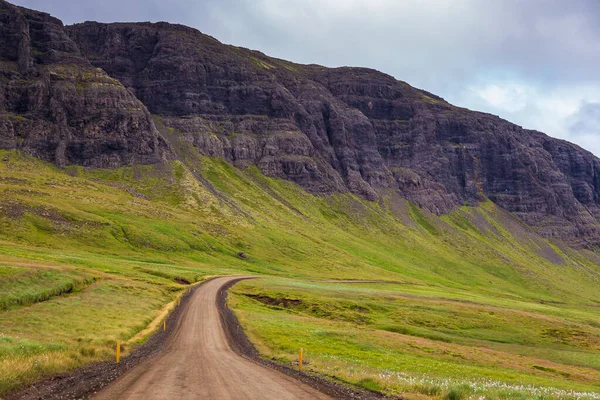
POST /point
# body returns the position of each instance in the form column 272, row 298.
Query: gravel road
column 198, row 363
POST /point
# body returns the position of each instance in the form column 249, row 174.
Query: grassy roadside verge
column 73, row 329
column 432, row 342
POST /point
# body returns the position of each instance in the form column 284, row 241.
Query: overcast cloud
column 534, row 62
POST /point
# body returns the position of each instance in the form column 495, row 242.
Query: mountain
column 84, row 95
column 57, row 106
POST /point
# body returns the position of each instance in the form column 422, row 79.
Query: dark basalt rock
column 330, row 130
column 347, row 129
column 55, row 105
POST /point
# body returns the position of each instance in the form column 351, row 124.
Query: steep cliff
column 84, row 95
column 55, row 105
column 347, row 129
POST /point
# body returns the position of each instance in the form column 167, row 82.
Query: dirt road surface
column 198, row 363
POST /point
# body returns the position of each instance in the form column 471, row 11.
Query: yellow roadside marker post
column 300, row 360
column 178, row 302
column 118, row 352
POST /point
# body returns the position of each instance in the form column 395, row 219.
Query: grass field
column 91, row 257
column 407, row 339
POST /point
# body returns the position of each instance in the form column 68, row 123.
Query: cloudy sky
column 534, row 62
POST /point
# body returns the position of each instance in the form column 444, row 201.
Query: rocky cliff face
column 55, row 105
column 347, row 129
column 81, row 94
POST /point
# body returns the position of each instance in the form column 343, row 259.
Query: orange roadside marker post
column 118, row 352
column 165, row 325
column 300, row 359
column 178, row 302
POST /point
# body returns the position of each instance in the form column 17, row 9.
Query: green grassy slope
column 91, row 257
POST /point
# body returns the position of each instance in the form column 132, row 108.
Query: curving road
column 198, row 363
